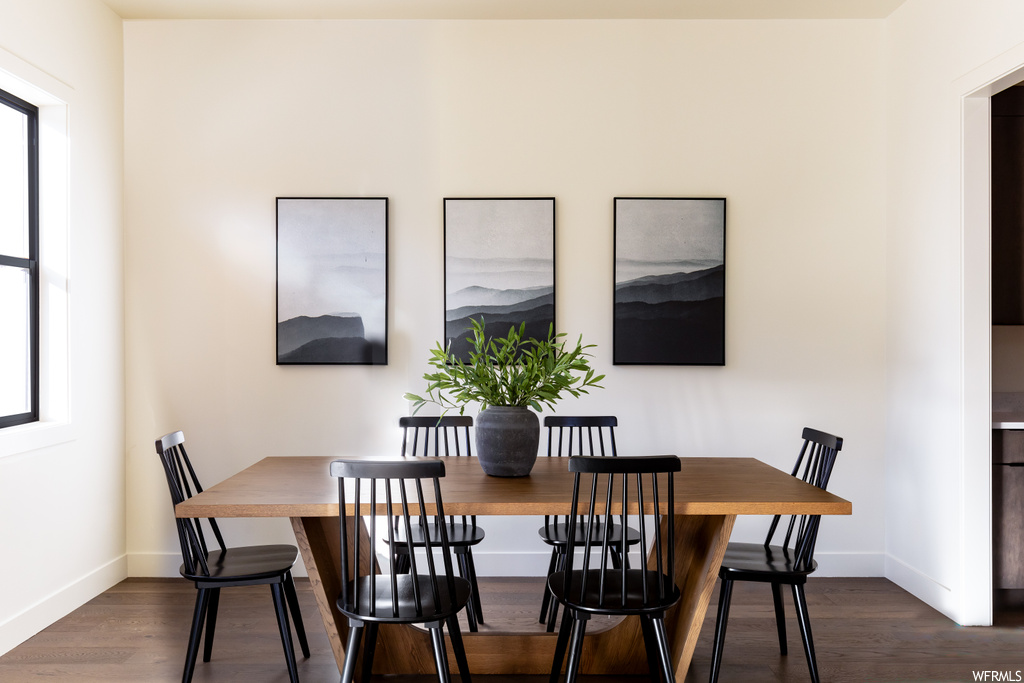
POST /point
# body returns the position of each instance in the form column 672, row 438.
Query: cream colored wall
column 62, row 501
column 783, row 118
column 940, row 365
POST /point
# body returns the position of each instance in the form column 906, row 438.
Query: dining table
column 709, row 493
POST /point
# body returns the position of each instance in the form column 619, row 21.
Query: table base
column 700, row 542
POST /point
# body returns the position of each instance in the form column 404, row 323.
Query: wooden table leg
column 400, row 649
column 700, row 543
column 319, row 541
column 700, row 547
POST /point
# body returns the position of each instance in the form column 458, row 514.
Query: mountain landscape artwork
column 499, row 266
column 669, row 306
column 332, row 281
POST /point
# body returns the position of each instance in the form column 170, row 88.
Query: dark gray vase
column 506, row 440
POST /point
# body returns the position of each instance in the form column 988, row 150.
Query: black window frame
column 32, row 262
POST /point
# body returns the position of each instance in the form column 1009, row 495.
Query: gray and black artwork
column 332, row 279
column 669, row 281
column 499, row 260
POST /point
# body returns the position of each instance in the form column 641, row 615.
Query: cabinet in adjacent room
column 1007, row 509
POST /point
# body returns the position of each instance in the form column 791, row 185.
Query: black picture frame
column 669, row 280
column 332, row 281
column 499, row 264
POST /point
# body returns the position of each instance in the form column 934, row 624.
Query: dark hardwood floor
column 864, row 630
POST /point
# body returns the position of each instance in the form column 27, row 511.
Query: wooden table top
column 303, row 487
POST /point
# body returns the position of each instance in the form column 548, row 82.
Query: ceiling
column 503, row 9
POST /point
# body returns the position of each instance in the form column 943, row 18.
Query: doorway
column 974, row 205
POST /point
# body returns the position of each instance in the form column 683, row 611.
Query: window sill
column 31, row 437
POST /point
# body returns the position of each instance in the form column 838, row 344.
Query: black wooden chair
column 369, row 599
column 635, row 483
column 224, row 567
column 567, row 436
column 786, row 564
column 432, row 437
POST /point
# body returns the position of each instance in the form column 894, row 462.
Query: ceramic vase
column 506, row 440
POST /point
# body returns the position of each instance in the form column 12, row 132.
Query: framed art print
column 332, row 280
column 669, row 306
column 499, row 265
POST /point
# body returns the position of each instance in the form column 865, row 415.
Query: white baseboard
column 920, row 585
column 533, row 563
column 536, row 563
column 154, row 565
column 60, row 603
column 512, row 564
column 850, row 564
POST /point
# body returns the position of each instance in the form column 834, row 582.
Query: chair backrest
column 424, row 436
column 386, row 483
column 575, row 435
column 570, row 435
column 183, row 484
column 641, row 484
column 450, row 435
column 814, row 466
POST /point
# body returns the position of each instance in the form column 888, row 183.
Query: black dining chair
column 578, row 435
column 422, row 596
column 432, row 437
column 787, row 564
column 637, row 484
column 223, row 567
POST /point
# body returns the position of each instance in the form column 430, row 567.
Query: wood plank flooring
column 864, row 630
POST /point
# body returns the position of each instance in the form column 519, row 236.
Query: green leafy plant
column 508, row 371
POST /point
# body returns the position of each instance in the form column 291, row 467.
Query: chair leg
column 723, row 617
column 440, row 654
column 616, row 558
column 651, row 647
column 579, row 630
column 545, row 601
column 560, row 645
column 369, row 648
column 198, row 617
column 804, row 620
column 355, row 634
column 459, row 648
column 286, row 631
column 658, row 626
column 476, row 590
column 211, row 622
column 553, row 613
column 780, row 617
column 552, row 617
column 460, row 556
column 293, row 607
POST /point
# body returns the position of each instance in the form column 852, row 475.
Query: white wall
column 842, row 174
column 62, row 503
column 938, row 499
column 784, row 118
column 840, row 207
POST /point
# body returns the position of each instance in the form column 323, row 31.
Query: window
column 19, row 269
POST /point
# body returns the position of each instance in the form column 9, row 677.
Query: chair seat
column 613, row 603
column 557, row 535
column 445, row 606
column 246, row 563
column 754, row 562
column 459, row 535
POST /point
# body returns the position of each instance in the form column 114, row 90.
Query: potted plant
column 507, row 376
